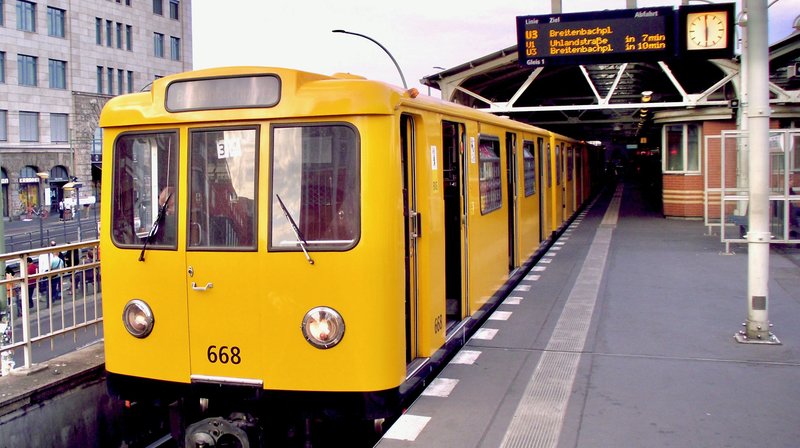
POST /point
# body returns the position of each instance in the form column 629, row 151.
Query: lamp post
column 75, row 185
column 403, row 78
column 42, row 177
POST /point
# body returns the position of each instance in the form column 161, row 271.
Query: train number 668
column 224, row 354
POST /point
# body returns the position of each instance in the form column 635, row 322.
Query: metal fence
column 66, row 231
column 49, row 292
column 727, row 190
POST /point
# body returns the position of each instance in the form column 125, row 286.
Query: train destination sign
column 595, row 37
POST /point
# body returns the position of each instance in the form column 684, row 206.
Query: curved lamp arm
column 403, row 78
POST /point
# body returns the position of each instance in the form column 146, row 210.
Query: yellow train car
column 282, row 241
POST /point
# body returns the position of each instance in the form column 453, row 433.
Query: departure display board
column 595, row 37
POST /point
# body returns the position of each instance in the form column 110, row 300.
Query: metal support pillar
column 757, row 327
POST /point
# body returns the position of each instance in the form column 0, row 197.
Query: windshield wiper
column 295, row 229
column 162, row 212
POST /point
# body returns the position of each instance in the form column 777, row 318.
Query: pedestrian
column 31, row 281
column 56, row 263
column 61, row 210
column 10, row 291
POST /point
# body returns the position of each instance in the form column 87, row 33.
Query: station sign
column 595, row 37
column 625, row 35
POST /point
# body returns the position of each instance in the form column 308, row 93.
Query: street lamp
column 403, row 78
column 42, row 177
column 75, row 185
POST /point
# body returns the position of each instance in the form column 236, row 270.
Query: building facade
column 60, row 61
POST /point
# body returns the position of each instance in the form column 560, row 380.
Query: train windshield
column 315, row 172
column 222, row 209
column 145, row 176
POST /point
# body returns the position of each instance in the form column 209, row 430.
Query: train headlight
column 138, row 318
column 323, row 327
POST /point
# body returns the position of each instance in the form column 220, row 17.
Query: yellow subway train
column 276, row 241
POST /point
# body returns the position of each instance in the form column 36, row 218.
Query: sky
column 420, row 34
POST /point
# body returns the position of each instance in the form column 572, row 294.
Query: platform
column 623, row 336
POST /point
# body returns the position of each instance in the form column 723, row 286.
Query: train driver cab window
column 489, row 171
column 315, row 191
column 222, row 189
column 529, row 165
column 144, row 190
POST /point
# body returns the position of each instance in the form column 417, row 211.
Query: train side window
column 529, row 167
column 489, row 173
column 315, row 176
column 570, row 162
column 222, row 205
column 144, row 179
column 558, row 164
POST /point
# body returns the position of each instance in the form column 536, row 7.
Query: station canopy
column 619, row 102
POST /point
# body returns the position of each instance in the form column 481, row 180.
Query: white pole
column 758, row 236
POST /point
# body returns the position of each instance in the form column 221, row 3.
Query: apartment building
column 60, row 61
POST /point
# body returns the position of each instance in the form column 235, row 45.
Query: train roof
column 311, row 95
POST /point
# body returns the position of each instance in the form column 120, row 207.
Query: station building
column 60, row 61
column 663, row 122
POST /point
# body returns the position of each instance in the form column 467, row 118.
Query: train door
column 569, row 184
column 454, row 221
column 222, row 255
column 412, row 231
column 543, row 173
column 511, row 179
column 561, row 187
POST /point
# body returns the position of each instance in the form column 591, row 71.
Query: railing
column 61, row 231
column 47, row 303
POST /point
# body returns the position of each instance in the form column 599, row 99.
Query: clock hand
column 705, row 19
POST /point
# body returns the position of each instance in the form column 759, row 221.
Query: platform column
column 757, row 329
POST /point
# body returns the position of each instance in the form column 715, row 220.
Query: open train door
column 412, row 232
column 543, row 172
column 511, row 180
column 455, row 222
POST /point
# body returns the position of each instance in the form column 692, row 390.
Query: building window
column 175, row 48
column 58, row 74
column 119, row 35
column 99, row 79
column 127, row 2
column 3, row 125
column 120, row 81
column 29, row 126
column 110, row 80
column 27, row 70
column 98, row 31
column 158, row 45
column 26, row 16
column 158, row 7
column 2, row 14
column 491, row 188
column 2, row 65
column 109, row 33
column 59, row 128
column 682, row 143
column 128, row 37
column 174, row 7
column 55, row 21
column 130, row 81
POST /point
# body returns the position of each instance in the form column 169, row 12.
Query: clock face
column 707, row 30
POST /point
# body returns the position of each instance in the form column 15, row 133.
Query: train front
column 245, row 276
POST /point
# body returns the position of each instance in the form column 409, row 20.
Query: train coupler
column 219, row 432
